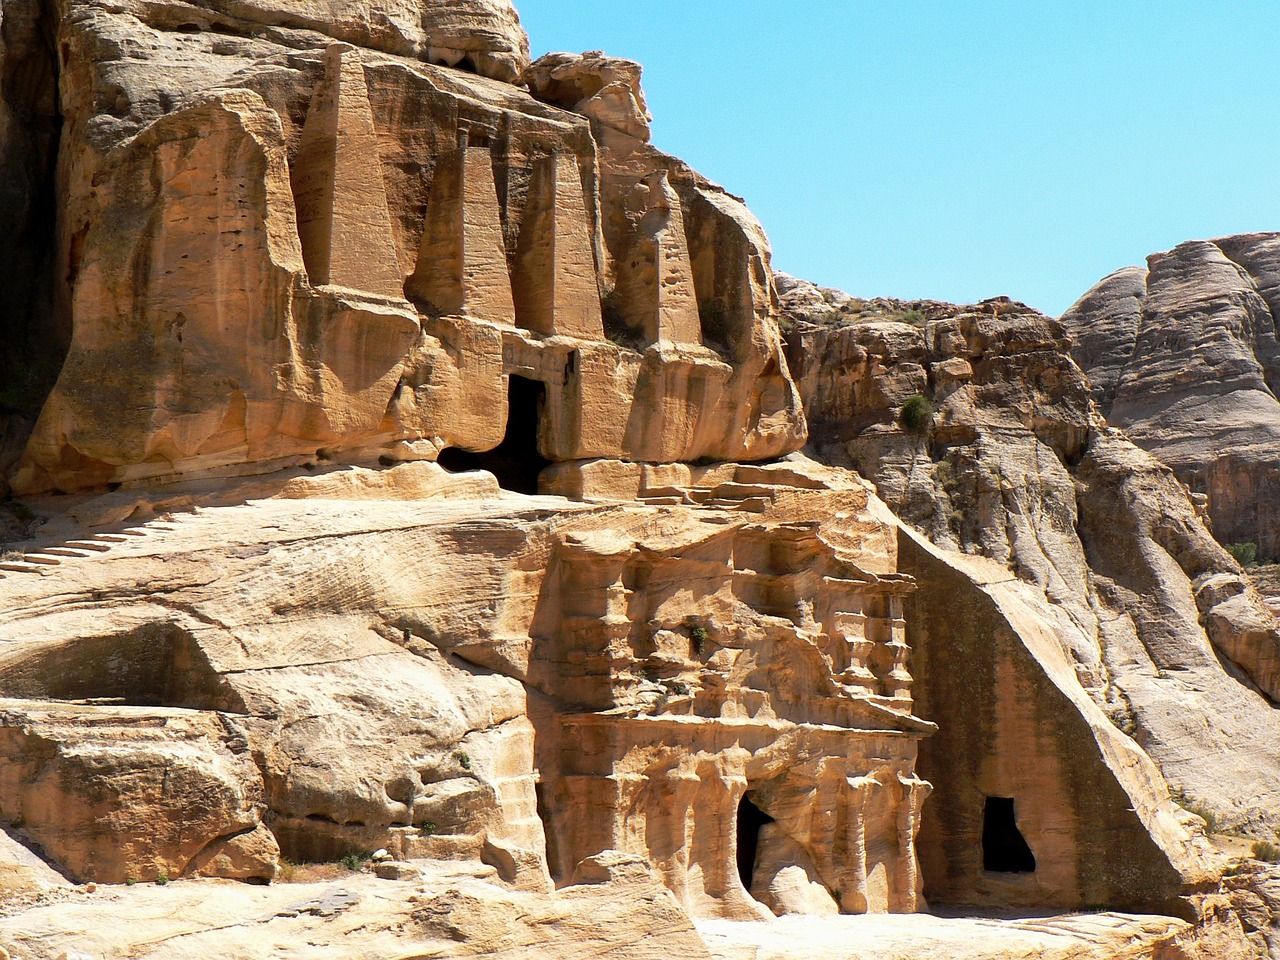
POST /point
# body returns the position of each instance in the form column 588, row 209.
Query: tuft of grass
column 914, row 317
column 917, row 413
column 1210, row 817
column 354, row 861
column 162, row 879
column 1246, row 554
column 1266, row 851
column 464, row 759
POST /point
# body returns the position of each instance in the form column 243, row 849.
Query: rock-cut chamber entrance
column 516, row 461
column 751, row 819
column 1004, row 849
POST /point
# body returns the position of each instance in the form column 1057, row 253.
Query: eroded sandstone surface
column 408, row 476
column 1183, row 356
column 1107, row 550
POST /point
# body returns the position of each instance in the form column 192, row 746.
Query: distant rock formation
column 1184, row 357
column 1013, row 463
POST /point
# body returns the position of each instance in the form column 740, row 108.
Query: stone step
column 42, row 558
column 66, row 551
column 19, row 566
column 87, row 545
column 744, row 491
column 748, row 504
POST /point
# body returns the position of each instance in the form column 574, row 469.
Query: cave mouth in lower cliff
column 1004, row 848
column 516, row 461
column 751, row 819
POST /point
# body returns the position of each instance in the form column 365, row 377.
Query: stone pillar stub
column 343, row 221
column 462, row 259
column 556, row 286
column 655, row 279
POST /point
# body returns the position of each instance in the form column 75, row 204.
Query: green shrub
column 914, row 317
column 917, row 413
column 699, row 636
column 464, row 759
column 354, row 861
column 1209, row 817
column 162, row 879
column 1246, row 554
column 1266, row 851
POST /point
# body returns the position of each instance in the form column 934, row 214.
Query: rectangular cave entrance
column 750, row 820
column 516, row 461
column 1004, row 849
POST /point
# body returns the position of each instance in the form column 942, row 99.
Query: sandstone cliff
column 406, row 240
column 1183, row 357
column 408, row 453
column 1012, row 461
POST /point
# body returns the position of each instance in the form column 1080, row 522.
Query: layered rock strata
column 408, row 241
column 1010, row 461
column 1183, row 356
column 530, row 684
column 636, row 649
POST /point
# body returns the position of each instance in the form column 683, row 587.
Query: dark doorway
column 516, row 461
column 750, row 819
column 1004, row 849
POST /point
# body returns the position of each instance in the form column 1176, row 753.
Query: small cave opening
column 750, row 821
column 1004, row 849
column 516, row 461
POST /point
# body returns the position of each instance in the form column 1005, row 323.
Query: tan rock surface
column 450, row 912
column 468, row 677
column 332, row 171
column 1184, row 357
column 689, row 694
column 1016, row 466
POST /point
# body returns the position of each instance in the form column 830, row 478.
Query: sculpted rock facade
column 1184, row 357
column 314, row 267
column 337, row 253
column 472, row 677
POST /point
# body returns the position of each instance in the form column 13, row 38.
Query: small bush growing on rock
column 699, row 635
column 354, row 861
column 917, row 413
column 1209, row 817
column 1266, row 851
column 1246, row 554
column 162, row 879
column 914, row 317
column 464, row 759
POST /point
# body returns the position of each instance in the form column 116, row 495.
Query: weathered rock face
column 475, row 676
column 277, row 248
column 1010, row 461
column 293, row 242
column 1184, row 357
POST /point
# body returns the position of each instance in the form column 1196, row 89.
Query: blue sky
column 960, row 150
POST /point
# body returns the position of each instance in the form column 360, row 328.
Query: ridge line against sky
column 959, row 150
